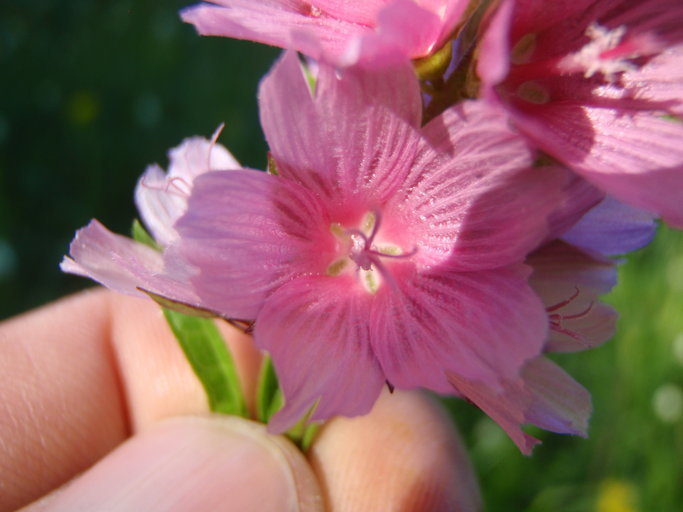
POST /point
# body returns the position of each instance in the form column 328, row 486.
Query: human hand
column 100, row 410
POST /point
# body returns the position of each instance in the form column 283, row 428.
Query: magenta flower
column 598, row 85
column 339, row 32
column 380, row 252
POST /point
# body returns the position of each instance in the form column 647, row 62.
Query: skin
column 98, row 405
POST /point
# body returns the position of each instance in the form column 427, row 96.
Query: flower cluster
column 447, row 184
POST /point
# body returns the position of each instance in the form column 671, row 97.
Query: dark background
column 91, row 92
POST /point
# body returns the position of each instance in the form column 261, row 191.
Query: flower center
column 605, row 53
column 359, row 245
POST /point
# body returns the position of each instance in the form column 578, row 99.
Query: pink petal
column 277, row 23
column 354, row 141
column 249, row 232
column 635, row 156
column 544, row 395
column 362, row 13
column 570, row 282
column 664, row 78
column 578, row 198
column 125, row 265
column 494, row 54
column 471, row 198
column 162, row 198
column 403, row 29
column 481, row 325
column 316, row 330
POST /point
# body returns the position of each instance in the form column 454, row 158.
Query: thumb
column 194, row 463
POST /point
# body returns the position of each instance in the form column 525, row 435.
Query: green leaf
column 211, row 361
column 140, row 234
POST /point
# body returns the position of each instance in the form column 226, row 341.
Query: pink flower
column 339, row 32
column 380, row 252
column 133, row 268
column 569, row 282
column 161, row 197
column 595, row 84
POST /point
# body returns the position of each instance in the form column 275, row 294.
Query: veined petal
column 125, row 265
column 472, row 198
column 635, row 156
column 480, row 325
column 354, row 139
column 162, row 198
column 570, row 282
column 248, row 233
column 544, row 395
column 612, row 228
column 316, row 330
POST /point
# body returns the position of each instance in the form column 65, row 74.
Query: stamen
column 521, row 53
column 598, row 56
column 335, row 268
column 579, row 315
column 171, row 186
column 559, row 305
column 533, row 93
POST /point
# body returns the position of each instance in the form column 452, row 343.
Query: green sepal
column 304, row 431
column 272, row 166
column 179, row 307
column 211, row 361
column 309, row 435
column 140, row 234
column 310, row 77
column 268, row 394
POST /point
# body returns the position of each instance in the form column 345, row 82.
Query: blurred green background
column 92, row 92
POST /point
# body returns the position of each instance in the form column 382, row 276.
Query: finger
column 79, row 376
column 198, row 464
column 157, row 380
column 405, row 455
column 60, row 405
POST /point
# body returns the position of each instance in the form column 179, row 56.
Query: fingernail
column 196, row 464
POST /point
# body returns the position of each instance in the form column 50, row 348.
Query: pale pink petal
column 471, row 198
column 294, row 25
column 634, row 156
column 353, row 141
column 570, row 282
column 162, row 198
column 249, row 233
column 544, row 395
column 558, row 403
column 481, row 325
column 403, row 29
column 362, row 13
column 125, row 265
column 316, row 330
column 612, row 228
